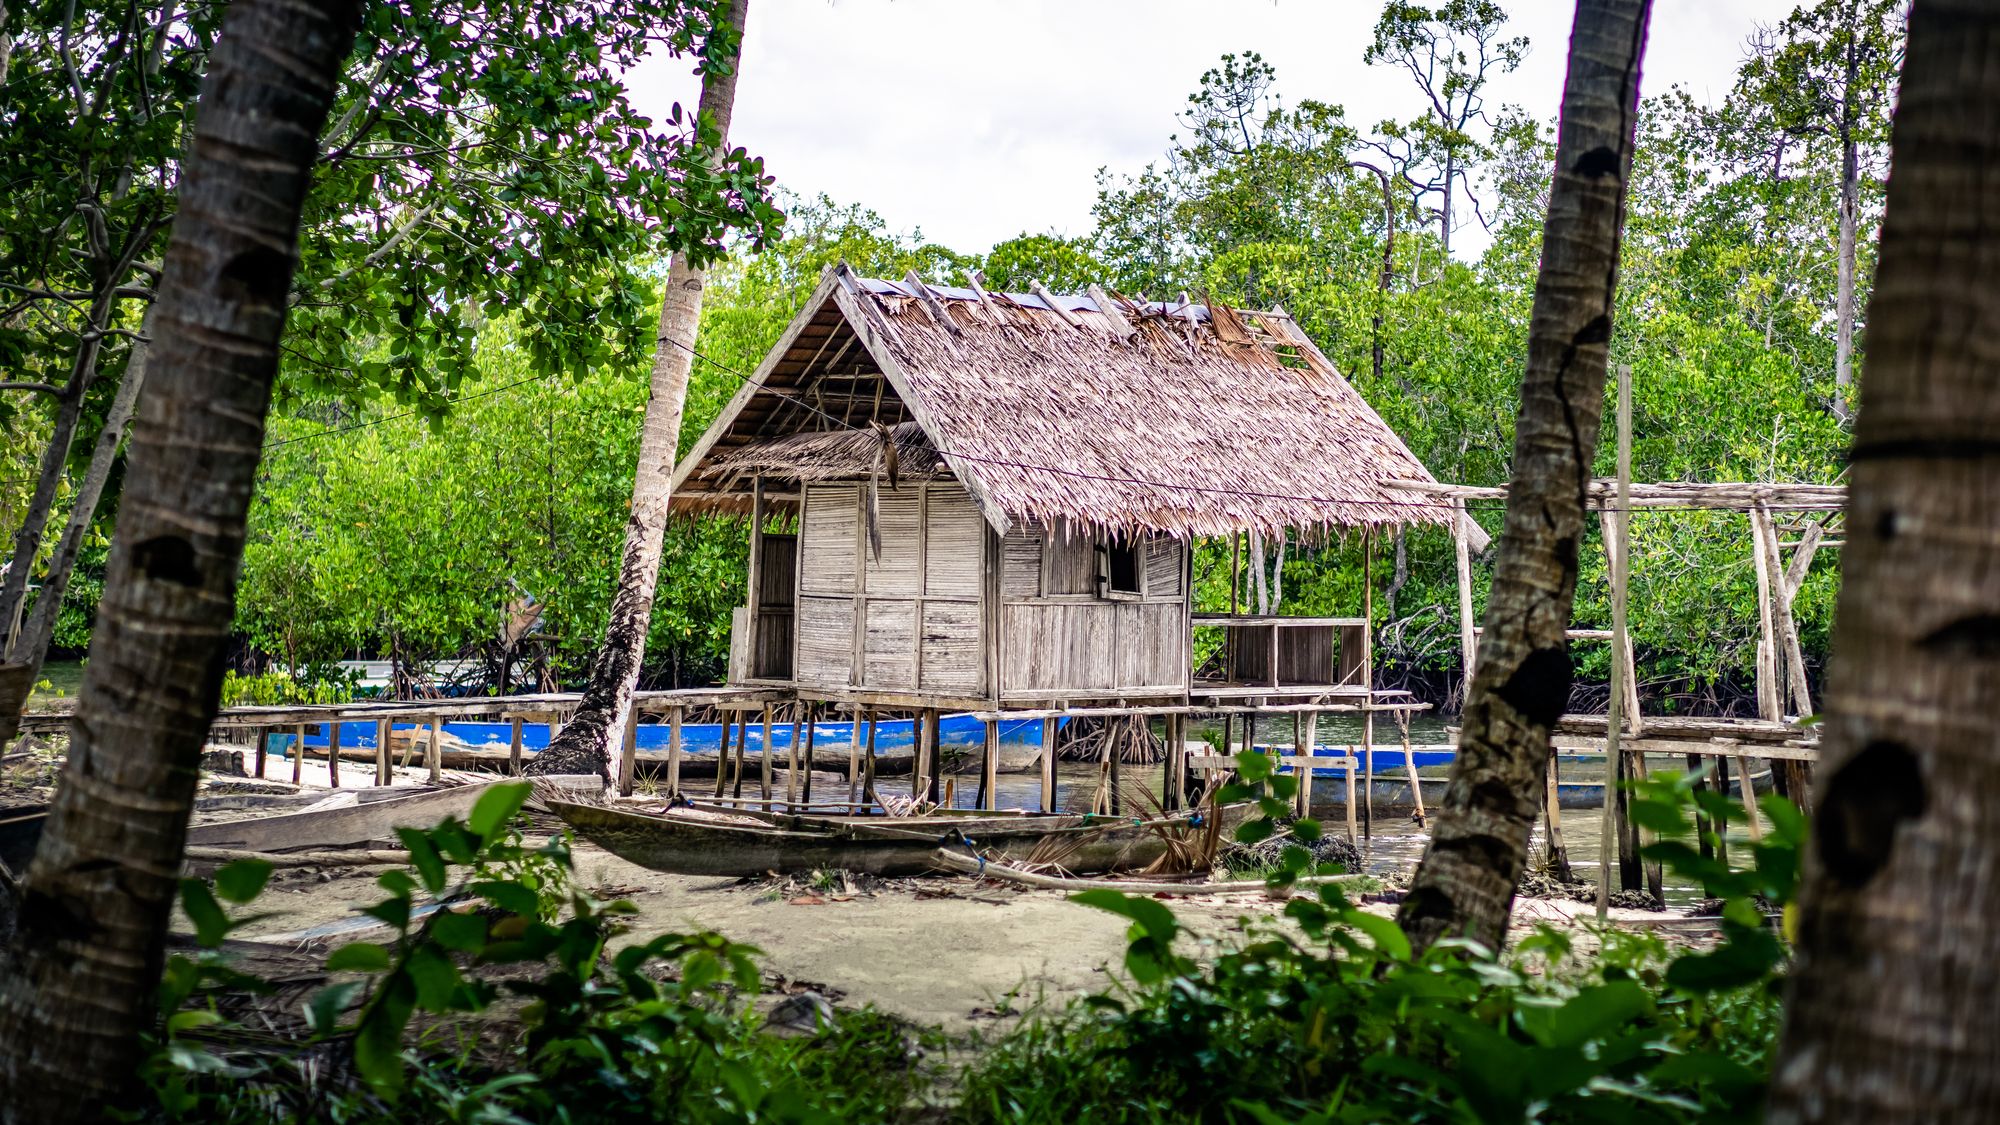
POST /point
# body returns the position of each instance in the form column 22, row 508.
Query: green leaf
column 497, row 807
column 509, row 896
column 465, row 933
column 378, row 1040
column 242, row 880
column 192, row 1018
column 358, row 957
column 211, row 925
column 424, row 857
column 1388, row 937
column 324, row 1009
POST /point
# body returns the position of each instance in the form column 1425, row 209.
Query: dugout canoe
column 375, row 814
column 693, row 843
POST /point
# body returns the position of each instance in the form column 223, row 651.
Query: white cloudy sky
column 976, row 120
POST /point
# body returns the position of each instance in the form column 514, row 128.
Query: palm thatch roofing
column 1121, row 415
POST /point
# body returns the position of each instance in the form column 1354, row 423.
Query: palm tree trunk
column 77, row 986
column 1894, row 1008
column 584, row 746
column 1465, row 885
column 31, row 647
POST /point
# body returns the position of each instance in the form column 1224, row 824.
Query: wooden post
column 722, row 758
column 333, row 754
column 1115, row 762
column 1049, row 729
column 1468, row 638
column 383, row 774
column 753, row 602
column 1769, row 705
column 868, row 764
column 1700, row 818
column 263, row 748
column 1368, row 700
column 792, row 769
column 933, row 772
column 434, row 750
column 1784, row 589
column 298, row 755
column 1172, row 790
column 514, row 746
column 555, row 726
column 1302, row 774
column 1410, row 766
column 806, row 780
column 628, row 754
column 989, row 766
column 1556, row 851
column 1608, row 523
column 764, row 787
column 675, row 716
column 1749, row 795
column 854, row 756
column 919, row 748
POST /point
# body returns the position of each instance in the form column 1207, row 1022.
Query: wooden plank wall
column 1057, row 635
column 908, row 620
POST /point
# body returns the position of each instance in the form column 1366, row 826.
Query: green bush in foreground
column 498, row 999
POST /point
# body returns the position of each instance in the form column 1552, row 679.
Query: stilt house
column 989, row 499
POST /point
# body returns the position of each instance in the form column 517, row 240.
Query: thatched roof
column 1123, row 415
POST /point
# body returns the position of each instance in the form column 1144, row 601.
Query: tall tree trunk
column 77, row 986
column 1894, row 1007
column 584, row 746
column 1465, row 885
column 1444, row 211
column 31, row 647
column 1850, row 205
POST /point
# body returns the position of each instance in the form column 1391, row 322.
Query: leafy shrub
column 313, row 684
column 496, row 998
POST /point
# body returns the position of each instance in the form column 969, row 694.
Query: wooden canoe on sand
column 693, row 843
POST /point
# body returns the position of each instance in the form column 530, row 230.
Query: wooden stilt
column 674, row 718
column 934, row 771
column 806, row 779
column 1368, row 685
column 1700, row 818
column 333, row 754
column 989, row 766
column 1116, row 765
column 628, row 754
column 298, row 755
column 1556, row 851
column 1749, row 795
column 792, row 769
column 868, row 764
column 1049, row 730
column 383, row 774
column 555, row 726
column 434, row 750
column 1410, row 767
column 764, row 780
column 722, row 758
column 514, row 746
column 1302, row 795
column 263, row 749
column 854, row 757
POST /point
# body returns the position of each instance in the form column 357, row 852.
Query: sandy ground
column 951, row 952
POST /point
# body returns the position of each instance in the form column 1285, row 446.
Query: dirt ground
column 951, row 952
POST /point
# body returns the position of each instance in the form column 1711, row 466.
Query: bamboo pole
column 383, row 774
column 675, row 717
column 1614, row 807
column 298, row 755
column 333, row 754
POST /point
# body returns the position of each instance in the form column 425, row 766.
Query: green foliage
column 1348, row 1025
column 322, row 683
column 484, row 928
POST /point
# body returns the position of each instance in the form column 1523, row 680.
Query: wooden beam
column 974, row 281
column 932, row 306
column 1049, row 299
column 1112, row 312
